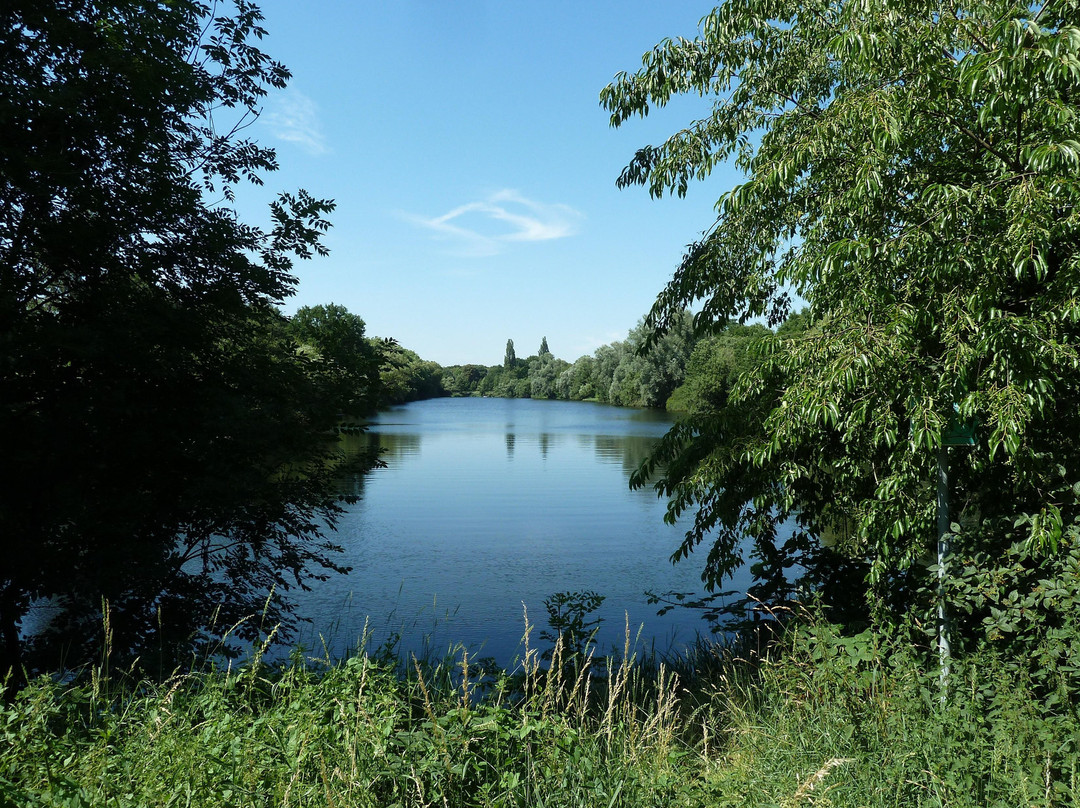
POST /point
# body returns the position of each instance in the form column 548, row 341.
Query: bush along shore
column 819, row 719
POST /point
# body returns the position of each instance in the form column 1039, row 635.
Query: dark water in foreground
column 488, row 506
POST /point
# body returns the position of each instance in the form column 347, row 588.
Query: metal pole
column 942, row 554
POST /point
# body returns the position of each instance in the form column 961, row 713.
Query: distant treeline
column 683, row 372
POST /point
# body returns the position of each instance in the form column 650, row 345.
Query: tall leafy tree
column 336, row 336
column 544, row 370
column 912, row 170
column 576, row 382
column 404, row 376
column 713, row 368
column 607, row 359
column 510, row 357
column 645, row 372
column 463, row 380
column 165, row 446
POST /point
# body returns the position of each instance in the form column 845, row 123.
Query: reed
column 813, row 722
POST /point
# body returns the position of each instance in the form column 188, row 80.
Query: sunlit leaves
column 912, row 170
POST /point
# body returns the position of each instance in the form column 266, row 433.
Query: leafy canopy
column 912, row 171
column 165, row 445
column 335, row 337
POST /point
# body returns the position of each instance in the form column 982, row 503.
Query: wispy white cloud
column 486, row 226
column 294, row 118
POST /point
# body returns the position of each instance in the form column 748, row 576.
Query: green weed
column 822, row 719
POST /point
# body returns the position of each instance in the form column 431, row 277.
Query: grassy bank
column 826, row 720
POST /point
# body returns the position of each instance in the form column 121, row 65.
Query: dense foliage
column 334, row 337
column 912, row 171
column 714, row 365
column 626, row 373
column 167, row 451
column 830, row 721
column 404, row 376
column 372, row 373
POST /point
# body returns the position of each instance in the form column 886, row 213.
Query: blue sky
column 474, row 170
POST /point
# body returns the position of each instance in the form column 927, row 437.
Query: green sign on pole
column 957, row 432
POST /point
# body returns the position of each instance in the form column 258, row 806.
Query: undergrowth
column 821, row 720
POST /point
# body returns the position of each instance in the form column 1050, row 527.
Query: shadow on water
column 628, row 451
column 483, row 509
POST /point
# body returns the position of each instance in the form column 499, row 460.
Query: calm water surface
column 488, row 506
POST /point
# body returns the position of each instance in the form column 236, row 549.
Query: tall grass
column 357, row 732
column 860, row 720
column 823, row 720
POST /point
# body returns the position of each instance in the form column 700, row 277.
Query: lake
column 488, row 506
